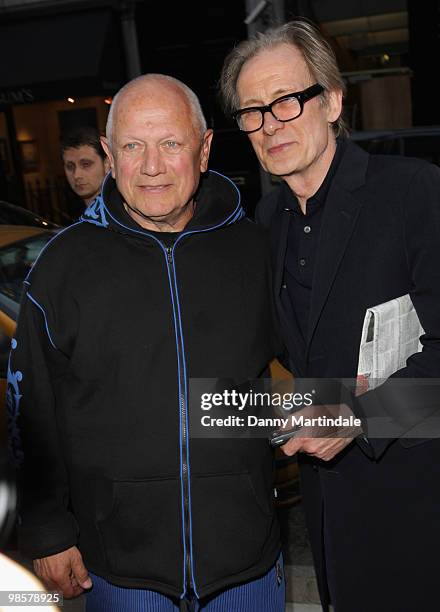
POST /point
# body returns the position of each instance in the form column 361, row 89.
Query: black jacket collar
column 218, row 203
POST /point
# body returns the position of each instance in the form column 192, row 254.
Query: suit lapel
column 340, row 216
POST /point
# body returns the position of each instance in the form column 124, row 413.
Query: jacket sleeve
column 407, row 404
column 46, row 526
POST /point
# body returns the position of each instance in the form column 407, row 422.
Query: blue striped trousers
column 265, row 594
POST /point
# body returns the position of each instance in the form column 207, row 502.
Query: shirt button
column 307, row 229
column 302, row 262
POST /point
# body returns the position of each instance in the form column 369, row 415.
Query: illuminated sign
column 17, row 96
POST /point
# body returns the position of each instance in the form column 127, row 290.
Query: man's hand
column 64, row 572
column 322, row 448
column 320, row 441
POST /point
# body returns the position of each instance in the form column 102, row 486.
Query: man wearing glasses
column 348, row 231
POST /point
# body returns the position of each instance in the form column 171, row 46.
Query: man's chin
column 160, row 218
column 280, row 168
column 85, row 195
column 282, row 172
column 150, row 214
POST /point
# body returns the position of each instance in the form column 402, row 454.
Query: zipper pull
column 170, row 255
column 279, row 573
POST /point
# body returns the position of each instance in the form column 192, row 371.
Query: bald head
column 156, row 85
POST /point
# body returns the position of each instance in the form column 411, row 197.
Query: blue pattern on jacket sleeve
column 13, row 397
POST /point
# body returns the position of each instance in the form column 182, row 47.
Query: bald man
column 163, row 279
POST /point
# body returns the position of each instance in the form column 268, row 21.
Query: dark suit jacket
column 380, row 239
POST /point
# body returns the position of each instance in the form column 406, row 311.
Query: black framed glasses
column 286, row 108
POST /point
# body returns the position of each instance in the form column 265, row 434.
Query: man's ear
column 110, row 161
column 334, row 105
column 206, row 147
column 107, row 164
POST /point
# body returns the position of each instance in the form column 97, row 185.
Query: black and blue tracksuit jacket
column 113, row 324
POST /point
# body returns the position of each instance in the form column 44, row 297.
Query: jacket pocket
column 141, row 534
column 231, row 523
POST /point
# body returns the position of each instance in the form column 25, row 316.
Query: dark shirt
column 302, row 246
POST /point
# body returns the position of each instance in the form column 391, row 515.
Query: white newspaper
column 391, row 333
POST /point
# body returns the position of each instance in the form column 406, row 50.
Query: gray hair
column 198, row 118
column 302, row 34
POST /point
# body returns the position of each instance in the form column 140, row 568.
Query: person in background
column 85, row 162
column 349, row 231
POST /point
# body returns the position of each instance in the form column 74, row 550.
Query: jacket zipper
column 238, row 213
column 189, row 579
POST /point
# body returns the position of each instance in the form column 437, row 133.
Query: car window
column 10, row 214
column 15, row 262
